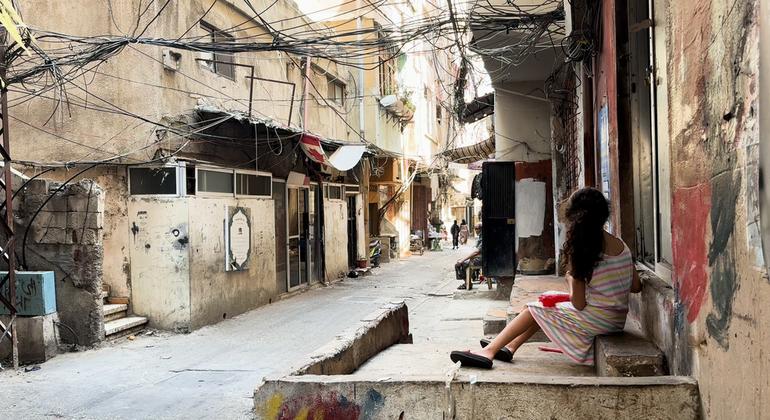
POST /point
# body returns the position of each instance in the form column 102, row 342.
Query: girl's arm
column 577, row 291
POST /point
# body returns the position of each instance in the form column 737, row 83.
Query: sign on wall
column 237, row 238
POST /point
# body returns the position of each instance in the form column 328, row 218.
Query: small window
column 336, row 91
column 334, row 192
column 255, row 185
column 219, row 62
column 352, row 189
column 153, row 181
column 213, row 181
column 438, row 113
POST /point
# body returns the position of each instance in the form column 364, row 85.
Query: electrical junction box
column 35, row 293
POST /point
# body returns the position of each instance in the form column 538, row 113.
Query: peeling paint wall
column 722, row 298
column 178, row 261
column 335, row 238
column 216, row 294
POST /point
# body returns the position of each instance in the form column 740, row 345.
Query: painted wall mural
column 323, row 405
column 689, row 215
column 721, row 256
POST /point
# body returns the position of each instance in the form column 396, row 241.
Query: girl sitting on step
column 600, row 274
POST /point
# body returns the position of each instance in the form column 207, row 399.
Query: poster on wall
column 237, row 238
column 604, row 153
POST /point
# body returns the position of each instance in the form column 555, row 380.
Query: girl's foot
column 505, row 354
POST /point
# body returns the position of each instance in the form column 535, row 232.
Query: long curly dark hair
column 586, row 213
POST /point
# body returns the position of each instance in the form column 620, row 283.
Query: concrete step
column 105, row 294
column 124, row 326
column 494, row 321
column 628, row 354
column 114, row 311
column 497, row 318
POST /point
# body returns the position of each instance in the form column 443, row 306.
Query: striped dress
column 605, row 312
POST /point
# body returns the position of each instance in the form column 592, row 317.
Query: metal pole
column 9, row 253
column 251, row 88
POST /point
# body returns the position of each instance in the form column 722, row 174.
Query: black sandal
column 504, row 354
column 469, row 359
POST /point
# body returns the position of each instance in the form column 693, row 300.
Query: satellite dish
column 388, row 101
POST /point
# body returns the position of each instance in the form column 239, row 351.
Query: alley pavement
column 212, row 372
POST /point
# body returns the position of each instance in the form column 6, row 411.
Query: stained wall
column 721, row 286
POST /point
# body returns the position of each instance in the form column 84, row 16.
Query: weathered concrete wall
column 522, row 123
column 136, row 81
column 335, row 238
column 178, row 261
column 216, row 294
column 543, row 397
column 66, row 237
column 160, row 261
column 721, row 288
column 116, row 237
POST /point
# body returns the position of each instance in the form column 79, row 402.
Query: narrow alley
column 212, row 372
column 385, row 209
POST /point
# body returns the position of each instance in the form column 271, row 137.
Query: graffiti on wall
column 326, row 405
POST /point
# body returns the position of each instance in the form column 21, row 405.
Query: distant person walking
column 455, row 234
column 464, row 232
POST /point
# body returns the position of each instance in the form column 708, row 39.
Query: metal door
column 281, row 245
column 498, row 246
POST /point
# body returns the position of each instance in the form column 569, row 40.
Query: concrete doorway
column 297, row 220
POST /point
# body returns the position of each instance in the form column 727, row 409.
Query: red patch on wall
column 689, row 219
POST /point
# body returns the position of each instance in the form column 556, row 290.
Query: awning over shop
column 472, row 153
column 343, row 156
column 343, row 159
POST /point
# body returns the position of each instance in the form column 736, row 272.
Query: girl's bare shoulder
column 613, row 246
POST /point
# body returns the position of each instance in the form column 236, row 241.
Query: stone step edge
column 113, row 308
column 118, row 325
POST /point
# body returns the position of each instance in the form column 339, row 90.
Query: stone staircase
column 117, row 322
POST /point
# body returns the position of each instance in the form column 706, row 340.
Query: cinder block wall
column 65, row 236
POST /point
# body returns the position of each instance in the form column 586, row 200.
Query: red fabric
column 550, row 299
